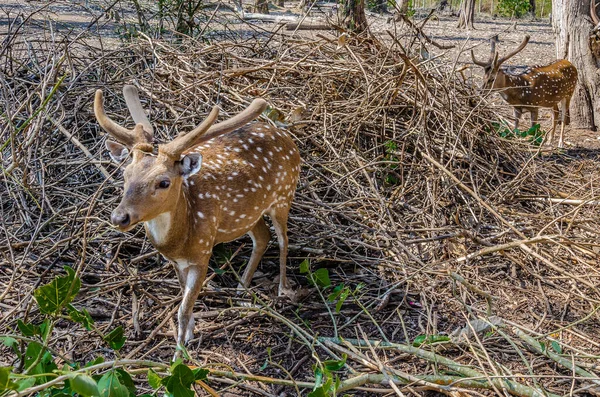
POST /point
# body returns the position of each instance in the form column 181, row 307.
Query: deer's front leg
column 192, row 278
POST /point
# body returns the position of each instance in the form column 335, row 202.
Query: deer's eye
column 165, row 183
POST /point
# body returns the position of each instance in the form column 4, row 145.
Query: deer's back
column 244, row 174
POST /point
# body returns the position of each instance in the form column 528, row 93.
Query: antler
column 132, row 99
column 593, row 12
column 125, row 136
column 252, row 112
column 207, row 131
column 515, row 52
column 178, row 145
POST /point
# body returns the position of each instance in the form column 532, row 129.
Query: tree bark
column 402, row 6
column 354, row 13
column 261, row 6
column 576, row 41
column 532, row 8
column 380, row 6
column 467, row 15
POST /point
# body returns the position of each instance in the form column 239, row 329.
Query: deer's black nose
column 120, row 218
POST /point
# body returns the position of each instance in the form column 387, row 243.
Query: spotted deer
column 210, row 185
column 529, row 88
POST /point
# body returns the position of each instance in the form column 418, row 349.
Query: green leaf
column 323, row 390
column 556, row 346
column 25, row 383
column 84, row 385
column 126, row 381
column 343, row 297
column 200, row 374
column 322, row 277
column 33, row 350
column 110, row 386
column 5, row 382
column 153, row 379
column 28, row 329
column 80, row 316
column 304, row 266
column 180, row 381
column 335, row 365
column 97, row 360
column 12, row 343
column 51, row 298
column 115, row 338
column 335, row 293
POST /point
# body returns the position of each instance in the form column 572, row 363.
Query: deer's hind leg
column 554, row 121
column 260, row 236
column 565, row 119
column 517, row 113
column 279, row 215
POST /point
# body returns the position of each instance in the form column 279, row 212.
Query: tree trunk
column 354, row 14
column 380, row 6
column 576, row 42
column 281, row 3
column 402, row 6
column 442, row 6
column 467, row 14
column 532, row 7
column 261, row 6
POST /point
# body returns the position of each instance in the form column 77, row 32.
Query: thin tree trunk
column 402, row 6
column 467, row 15
column 354, row 13
column 532, row 8
column 261, row 6
column 573, row 32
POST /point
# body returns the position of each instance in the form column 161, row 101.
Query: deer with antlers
column 210, row 185
column 529, row 88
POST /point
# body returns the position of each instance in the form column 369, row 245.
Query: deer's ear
column 117, row 151
column 190, row 164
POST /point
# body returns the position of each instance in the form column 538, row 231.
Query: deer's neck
column 167, row 232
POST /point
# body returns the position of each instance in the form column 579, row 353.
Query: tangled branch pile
column 405, row 189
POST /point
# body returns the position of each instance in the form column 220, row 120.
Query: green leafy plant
column 513, row 8
column 94, row 378
column 534, row 134
column 390, row 177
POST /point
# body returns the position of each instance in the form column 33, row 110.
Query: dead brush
column 405, row 189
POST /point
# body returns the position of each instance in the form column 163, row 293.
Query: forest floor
column 429, row 225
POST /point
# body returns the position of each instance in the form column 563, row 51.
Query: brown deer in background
column 529, row 88
column 210, row 185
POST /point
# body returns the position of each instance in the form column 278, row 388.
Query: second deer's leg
column 534, row 116
column 279, row 216
column 554, row 121
column 260, row 236
column 517, row 113
column 565, row 119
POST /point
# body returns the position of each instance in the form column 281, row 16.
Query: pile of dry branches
column 406, row 190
